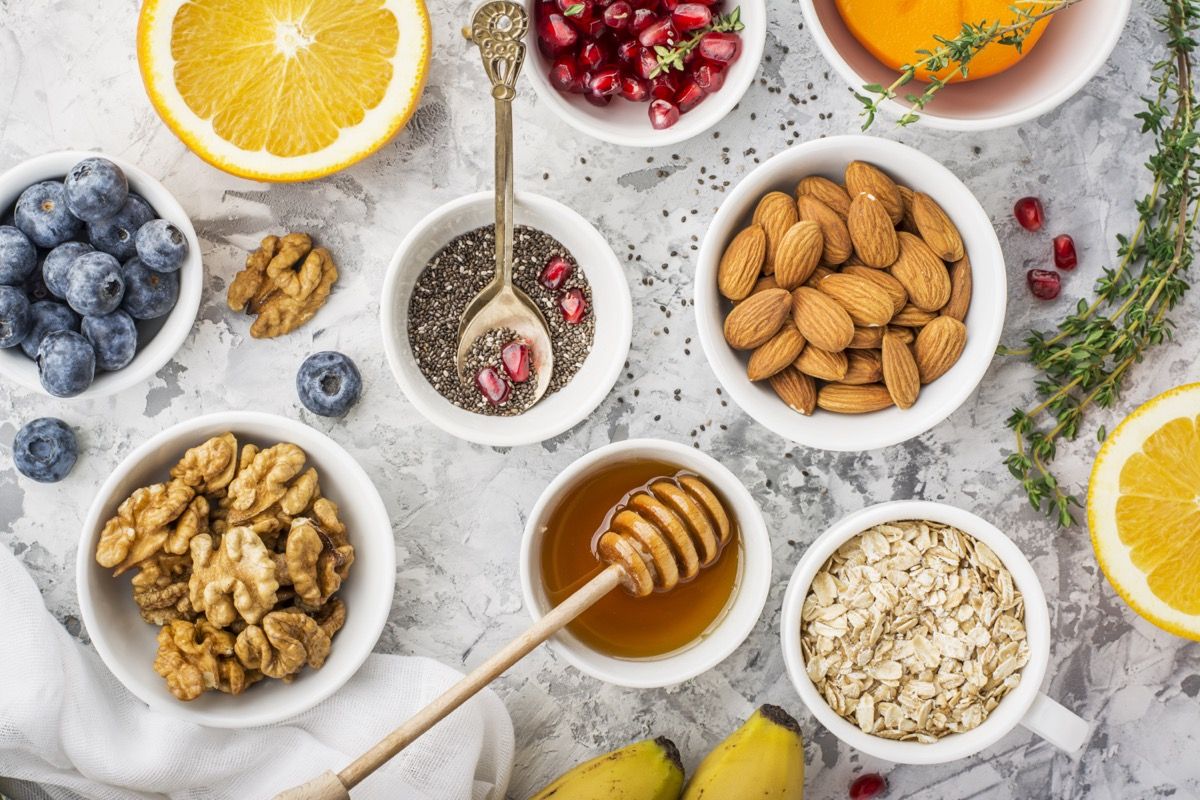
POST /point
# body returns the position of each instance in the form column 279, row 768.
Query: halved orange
column 284, row 90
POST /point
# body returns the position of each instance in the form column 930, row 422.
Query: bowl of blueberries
column 100, row 274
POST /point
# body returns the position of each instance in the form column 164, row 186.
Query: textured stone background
column 69, row 79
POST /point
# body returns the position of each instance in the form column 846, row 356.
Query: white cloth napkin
column 67, row 724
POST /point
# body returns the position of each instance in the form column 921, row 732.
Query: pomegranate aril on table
column 573, row 305
column 1064, row 252
column 1029, row 212
column 1044, row 284
column 868, row 787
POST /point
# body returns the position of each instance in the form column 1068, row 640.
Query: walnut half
column 285, row 282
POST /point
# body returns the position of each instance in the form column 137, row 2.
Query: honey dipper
column 660, row 535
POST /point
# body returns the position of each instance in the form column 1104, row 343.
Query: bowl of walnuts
column 236, row 569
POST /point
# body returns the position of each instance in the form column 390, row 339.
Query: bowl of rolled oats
column 918, row 633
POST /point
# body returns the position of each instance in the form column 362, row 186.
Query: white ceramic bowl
column 1025, row 704
column 1075, row 45
column 628, row 124
column 985, row 320
column 127, row 644
column 727, row 632
column 159, row 338
column 611, row 304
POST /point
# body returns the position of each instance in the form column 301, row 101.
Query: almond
column 776, row 212
column 822, row 364
column 905, row 335
column 827, row 192
column 872, row 232
column 844, row 399
column 960, row 290
column 764, row 283
column 798, row 254
column 922, row 274
column 779, row 351
column 819, row 274
column 838, row 246
column 756, row 319
column 866, row 338
column 912, row 317
column 863, row 366
column 938, row 346
column 864, row 178
column 865, row 302
column 883, row 280
column 900, row 374
column 907, row 223
column 796, row 389
column 821, row 319
column 742, row 263
column 936, row 228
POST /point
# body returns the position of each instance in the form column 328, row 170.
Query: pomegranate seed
column 591, row 56
column 1064, row 252
column 606, row 81
column 585, row 12
column 709, row 76
column 592, row 28
column 1044, row 284
column 642, row 19
column 628, row 51
column 564, row 75
column 689, row 96
column 670, row 5
column 664, row 87
column 663, row 114
column 556, row 33
column 492, row 385
column 659, row 33
column 868, row 787
column 690, row 16
column 634, row 89
column 723, row 47
column 1029, row 213
column 618, row 15
column 556, row 271
column 600, row 100
column 515, row 356
column 573, row 305
column 646, row 63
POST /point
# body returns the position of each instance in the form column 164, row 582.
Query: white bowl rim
column 749, row 599
column 1012, row 708
column 171, row 336
column 233, row 420
column 622, row 316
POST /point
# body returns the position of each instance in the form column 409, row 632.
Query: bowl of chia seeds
column 562, row 263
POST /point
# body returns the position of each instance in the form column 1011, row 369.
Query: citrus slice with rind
column 284, row 90
column 1144, row 510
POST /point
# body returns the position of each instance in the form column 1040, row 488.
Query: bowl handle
column 1056, row 724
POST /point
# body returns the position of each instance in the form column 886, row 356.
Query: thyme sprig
column 670, row 58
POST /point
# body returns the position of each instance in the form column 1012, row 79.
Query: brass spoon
column 497, row 28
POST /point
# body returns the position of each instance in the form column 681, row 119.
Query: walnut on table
column 285, row 282
column 232, row 578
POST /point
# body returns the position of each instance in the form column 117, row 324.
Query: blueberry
column 57, row 266
column 328, row 383
column 18, row 256
column 113, row 337
column 48, row 316
column 15, row 316
column 66, row 363
column 43, row 216
column 96, row 189
column 148, row 294
column 161, row 246
column 95, row 285
column 35, row 287
column 117, row 235
column 44, row 450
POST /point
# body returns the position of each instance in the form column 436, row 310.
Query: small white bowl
column 165, row 335
column 1075, row 45
column 1025, row 705
column 628, row 124
column 611, row 304
column 985, row 320
column 127, row 644
column 727, row 632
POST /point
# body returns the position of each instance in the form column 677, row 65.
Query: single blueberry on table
column 328, row 383
column 96, row 189
column 148, row 294
column 95, row 285
column 117, row 235
column 15, row 317
column 18, row 256
column 43, row 216
column 45, row 450
column 161, row 246
column 48, row 316
column 66, row 363
column 113, row 338
column 57, row 266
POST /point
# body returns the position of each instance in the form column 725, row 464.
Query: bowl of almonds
column 850, row 293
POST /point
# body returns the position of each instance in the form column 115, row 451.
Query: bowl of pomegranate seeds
column 645, row 73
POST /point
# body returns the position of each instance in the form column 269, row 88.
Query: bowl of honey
column 670, row 635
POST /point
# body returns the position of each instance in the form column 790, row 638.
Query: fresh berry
column 642, row 18
column 35, row 288
column 722, row 47
column 660, row 33
column 43, row 216
column 564, row 75
column 16, row 319
column 44, row 450
column 663, row 114
column 492, row 385
column 1064, row 252
column 606, row 81
column 618, row 15
column 868, row 787
column 634, row 89
column 18, row 256
column 113, row 337
column 1029, row 212
column 591, row 56
column 48, row 316
column 161, row 246
column 1044, row 284
column 515, row 357
column 148, row 294
column 646, row 63
column 689, row 96
column 709, row 76
column 556, row 34
column 117, row 234
column 691, row 16
column 328, row 383
column 664, row 87
column 628, row 51
column 96, row 189
column 95, row 284
column 573, row 305
column 66, row 363
column 57, row 266
column 555, row 273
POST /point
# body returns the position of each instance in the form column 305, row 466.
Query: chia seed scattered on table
column 455, row 275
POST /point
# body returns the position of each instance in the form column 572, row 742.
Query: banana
column 763, row 759
column 646, row 770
